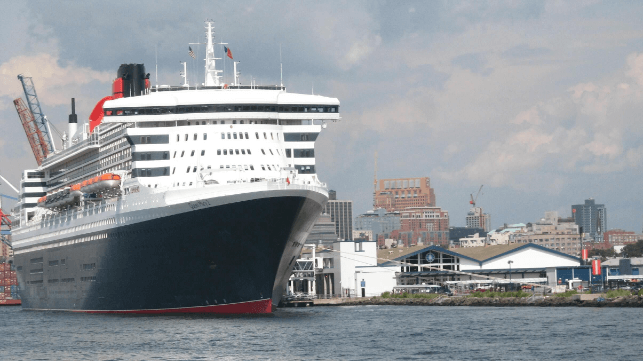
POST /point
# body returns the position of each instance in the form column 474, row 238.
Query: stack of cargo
column 8, row 285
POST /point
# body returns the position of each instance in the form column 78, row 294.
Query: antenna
column 184, row 74
column 236, row 75
column 281, row 66
column 156, row 55
column 375, row 175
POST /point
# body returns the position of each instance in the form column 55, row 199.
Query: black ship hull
column 230, row 258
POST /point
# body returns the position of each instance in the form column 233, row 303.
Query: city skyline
column 538, row 101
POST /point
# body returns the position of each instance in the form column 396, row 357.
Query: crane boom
column 474, row 200
column 34, row 135
column 34, row 105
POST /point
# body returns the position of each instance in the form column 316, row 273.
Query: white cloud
column 604, row 115
column 54, row 84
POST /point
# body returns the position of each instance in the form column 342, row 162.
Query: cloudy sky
column 540, row 101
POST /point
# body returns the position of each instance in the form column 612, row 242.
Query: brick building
column 430, row 224
column 400, row 193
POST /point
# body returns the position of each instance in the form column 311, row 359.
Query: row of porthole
column 230, row 135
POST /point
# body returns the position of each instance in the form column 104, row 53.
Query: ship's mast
column 211, row 73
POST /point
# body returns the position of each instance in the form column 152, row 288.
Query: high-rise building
column 400, row 193
column 476, row 218
column 592, row 217
column 323, row 232
column 378, row 222
column 341, row 212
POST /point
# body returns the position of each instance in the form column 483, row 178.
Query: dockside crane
column 4, row 218
column 41, row 121
column 473, row 200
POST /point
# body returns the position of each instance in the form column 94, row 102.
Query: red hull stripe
column 262, row 306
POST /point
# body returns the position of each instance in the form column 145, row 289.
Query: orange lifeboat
column 101, row 183
column 41, row 201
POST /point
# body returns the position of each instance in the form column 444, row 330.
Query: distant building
column 363, row 235
column 476, row 218
column 591, row 217
column 341, row 212
column 552, row 232
column 378, row 222
column 399, row 193
column 618, row 237
column 428, row 224
column 323, row 232
column 455, row 233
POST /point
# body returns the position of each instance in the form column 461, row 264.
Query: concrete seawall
column 538, row 301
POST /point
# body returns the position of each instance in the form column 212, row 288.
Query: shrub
column 386, row 294
column 618, row 293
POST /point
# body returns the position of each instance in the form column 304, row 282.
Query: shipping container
column 13, row 273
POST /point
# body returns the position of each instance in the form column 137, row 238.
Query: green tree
column 633, row 250
column 602, row 253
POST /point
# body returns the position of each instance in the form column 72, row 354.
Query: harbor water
column 330, row 333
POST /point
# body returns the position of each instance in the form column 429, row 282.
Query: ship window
column 247, row 135
column 174, row 156
column 222, row 135
column 268, row 167
column 173, row 170
column 249, row 151
column 257, row 135
column 203, row 152
column 236, row 151
column 195, row 134
column 194, row 170
column 62, row 262
column 243, row 151
column 288, row 153
column 166, row 155
column 218, row 151
column 262, row 167
column 225, row 152
column 228, row 135
column 231, row 152
column 182, row 153
column 271, row 136
column 178, row 138
column 205, row 136
column 251, row 167
column 234, row 135
column 264, row 135
column 186, row 136
column 188, row 171
column 271, row 153
column 263, row 152
column 234, row 122
column 192, row 154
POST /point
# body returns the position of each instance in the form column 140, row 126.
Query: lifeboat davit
column 66, row 197
column 101, row 183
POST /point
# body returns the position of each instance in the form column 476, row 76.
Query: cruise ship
column 173, row 199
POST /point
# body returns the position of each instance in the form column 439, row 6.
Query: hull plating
column 236, row 254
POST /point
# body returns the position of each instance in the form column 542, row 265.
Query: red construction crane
column 473, row 200
column 34, row 135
